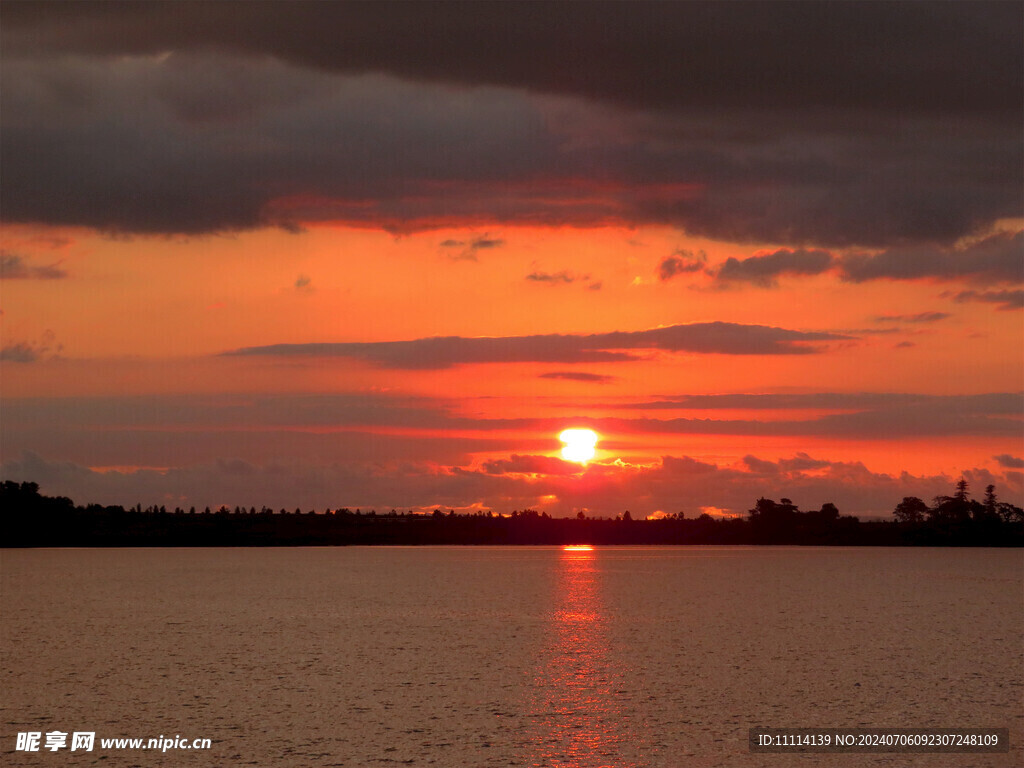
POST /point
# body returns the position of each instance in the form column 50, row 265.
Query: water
column 625, row 657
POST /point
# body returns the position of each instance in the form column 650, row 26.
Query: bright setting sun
column 579, row 444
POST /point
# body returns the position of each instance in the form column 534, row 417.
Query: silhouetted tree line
column 30, row 519
column 957, row 515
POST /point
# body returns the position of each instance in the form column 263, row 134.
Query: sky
column 380, row 255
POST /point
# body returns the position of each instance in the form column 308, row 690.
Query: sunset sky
column 380, row 256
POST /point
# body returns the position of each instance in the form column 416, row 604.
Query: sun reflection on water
column 576, row 717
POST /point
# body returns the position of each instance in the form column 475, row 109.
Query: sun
column 579, row 444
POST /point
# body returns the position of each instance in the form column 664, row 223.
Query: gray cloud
column 544, row 465
column 996, row 403
column 600, row 489
column 21, row 352
column 680, row 263
column 198, row 120
column 166, row 430
column 31, row 351
column 763, row 270
column 443, row 352
column 1011, row 462
column 996, row 258
column 381, row 450
column 921, row 58
column 556, row 278
column 1005, row 300
column 14, row 267
column 470, row 247
column 595, row 378
column 920, row 317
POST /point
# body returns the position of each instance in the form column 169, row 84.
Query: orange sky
column 150, row 316
column 592, row 256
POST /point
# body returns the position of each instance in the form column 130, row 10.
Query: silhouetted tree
column 990, row 500
column 911, row 510
column 829, row 511
column 961, row 491
column 1010, row 513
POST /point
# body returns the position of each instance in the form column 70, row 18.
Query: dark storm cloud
column 998, row 258
column 911, row 58
column 680, row 263
column 443, row 352
column 763, row 270
column 1006, row 300
column 833, row 124
column 125, row 149
column 14, row 267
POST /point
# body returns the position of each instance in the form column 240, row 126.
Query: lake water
column 503, row 656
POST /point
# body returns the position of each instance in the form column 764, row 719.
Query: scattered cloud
column 563, row 278
column 595, row 378
column 764, row 269
column 680, row 263
column 1010, row 462
column 799, row 463
column 529, row 465
column 555, row 278
column 995, row 403
column 443, row 352
column 996, row 258
column 920, row 317
column 470, row 247
column 22, row 352
column 517, row 482
column 485, row 242
column 1005, row 300
column 14, row 267
column 31, row 351
column 171, row 430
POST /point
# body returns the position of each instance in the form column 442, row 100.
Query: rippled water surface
column 506, row 656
